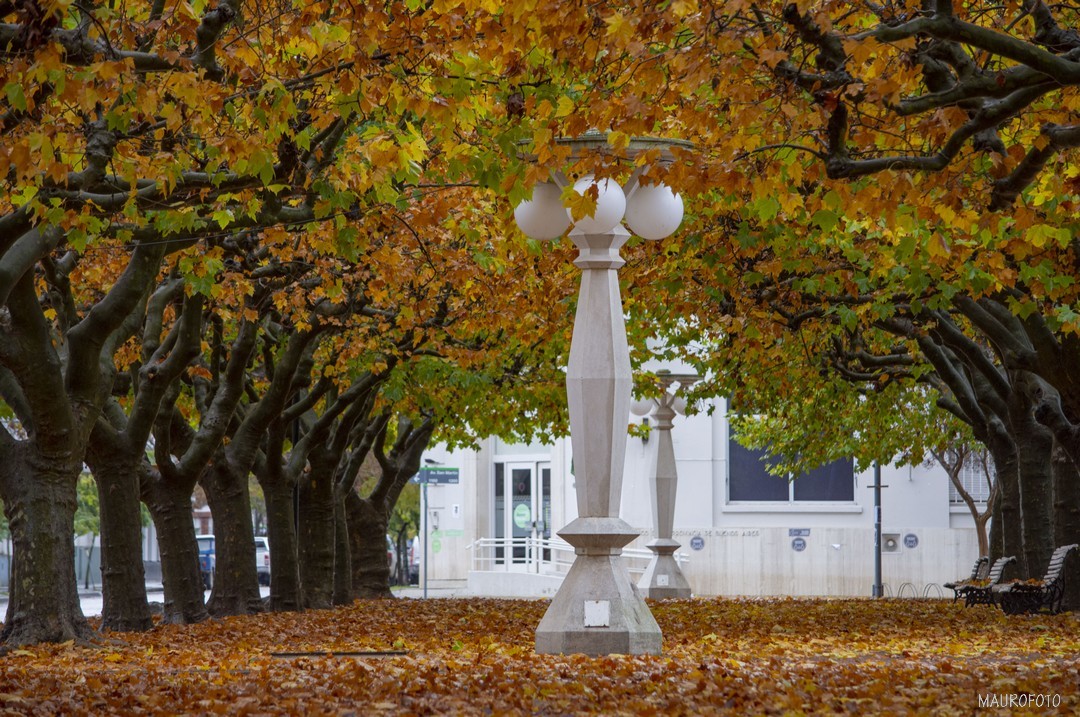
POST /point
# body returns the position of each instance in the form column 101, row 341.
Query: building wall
column 745, row 548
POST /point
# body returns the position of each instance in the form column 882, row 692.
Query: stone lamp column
column 598, row 610
column 663, row 578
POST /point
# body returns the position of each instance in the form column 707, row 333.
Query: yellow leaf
column 566, row 106
column 619, row 140
column 619, row 27
column 682, row 8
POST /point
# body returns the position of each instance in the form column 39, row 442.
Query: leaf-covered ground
column 475, row 656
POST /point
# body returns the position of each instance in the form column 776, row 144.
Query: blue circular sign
column 911, row 540
column 798, row 545
column 697, row 543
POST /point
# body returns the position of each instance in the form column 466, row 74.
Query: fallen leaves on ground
column 475, row 656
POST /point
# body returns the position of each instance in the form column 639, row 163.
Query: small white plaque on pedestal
column 662, row 581
column 597, row 613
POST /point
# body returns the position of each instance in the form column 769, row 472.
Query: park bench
column 1022, row 596
column 979, row 572
column 981, row 592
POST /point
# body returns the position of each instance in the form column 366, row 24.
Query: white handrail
column 544, row 555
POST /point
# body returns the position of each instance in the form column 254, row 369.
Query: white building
column 743, row 532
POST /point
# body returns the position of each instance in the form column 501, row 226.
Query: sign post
column 439, row 476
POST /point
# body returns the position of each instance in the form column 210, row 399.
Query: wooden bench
column 1021, row 596
column 979, row 572
column 981, row 592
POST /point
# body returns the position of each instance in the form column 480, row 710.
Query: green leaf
column 768, row 208
column 825, row 219
column 15, row 96
column 223, row 217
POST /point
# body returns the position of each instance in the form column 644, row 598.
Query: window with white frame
column 749, row 480
column 974, row 478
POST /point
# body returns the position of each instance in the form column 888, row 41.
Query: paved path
column 91, row 601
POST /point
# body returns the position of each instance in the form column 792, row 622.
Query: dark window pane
column 500, row 503
column 834, row 481
column 748, row 478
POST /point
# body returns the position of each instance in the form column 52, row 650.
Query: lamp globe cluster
column 645, row 406
column 651, row 211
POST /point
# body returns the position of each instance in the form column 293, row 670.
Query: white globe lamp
column 654, row 211
column 642, row 407
column 610, row 206
column 543, row 216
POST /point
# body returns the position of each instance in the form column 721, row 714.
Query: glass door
column 521, row 516
column 543, row 517
column 522, row 512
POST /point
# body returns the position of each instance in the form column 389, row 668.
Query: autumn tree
column 970, row 105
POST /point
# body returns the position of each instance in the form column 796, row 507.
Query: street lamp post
column 663, row 578
column 598, row 610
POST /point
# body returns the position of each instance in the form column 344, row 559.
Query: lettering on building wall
column 719, row 532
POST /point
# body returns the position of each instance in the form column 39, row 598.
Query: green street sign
column 437, row 475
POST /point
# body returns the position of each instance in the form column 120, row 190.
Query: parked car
column 207, row 559
column 262, row 559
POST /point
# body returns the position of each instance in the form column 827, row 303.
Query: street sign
column 437, row 476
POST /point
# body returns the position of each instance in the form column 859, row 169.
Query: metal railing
column 544, row 556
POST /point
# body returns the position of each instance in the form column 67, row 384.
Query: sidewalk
column 91, row 599
column 417, row 593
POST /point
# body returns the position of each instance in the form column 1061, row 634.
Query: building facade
column 743, row 532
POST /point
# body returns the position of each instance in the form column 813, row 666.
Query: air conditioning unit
column 890, row 543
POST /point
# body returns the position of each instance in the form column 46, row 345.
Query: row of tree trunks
column 1067, row 521
column 236, row 578
column 342, row 555
column 116, row 472
column 1035, row 444
column 170, row 509
column 281, row 529
column 39, row 502
column 1006, row 527
column 367, row 523
column 317, row 530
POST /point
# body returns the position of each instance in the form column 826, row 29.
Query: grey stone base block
column 663, row 579
column 598, row 611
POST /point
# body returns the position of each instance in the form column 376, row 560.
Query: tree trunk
column 39, row 502
column 317, row 531
column 997, row 549
column 124, row 605
column 1007, row 516
column 281, row 524
column 1034, row 444
column 236, row 580
column 1067, row 522
column 343, row 592
column 367, row 542
column 170, row 508
column 401, row 564
column 980, row 532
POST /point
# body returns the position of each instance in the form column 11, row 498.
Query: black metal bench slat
column 978, row 572
column 984, row 594
column 1019, row 597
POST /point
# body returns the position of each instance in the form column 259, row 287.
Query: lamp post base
column 598, row 610
column 663, row 578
